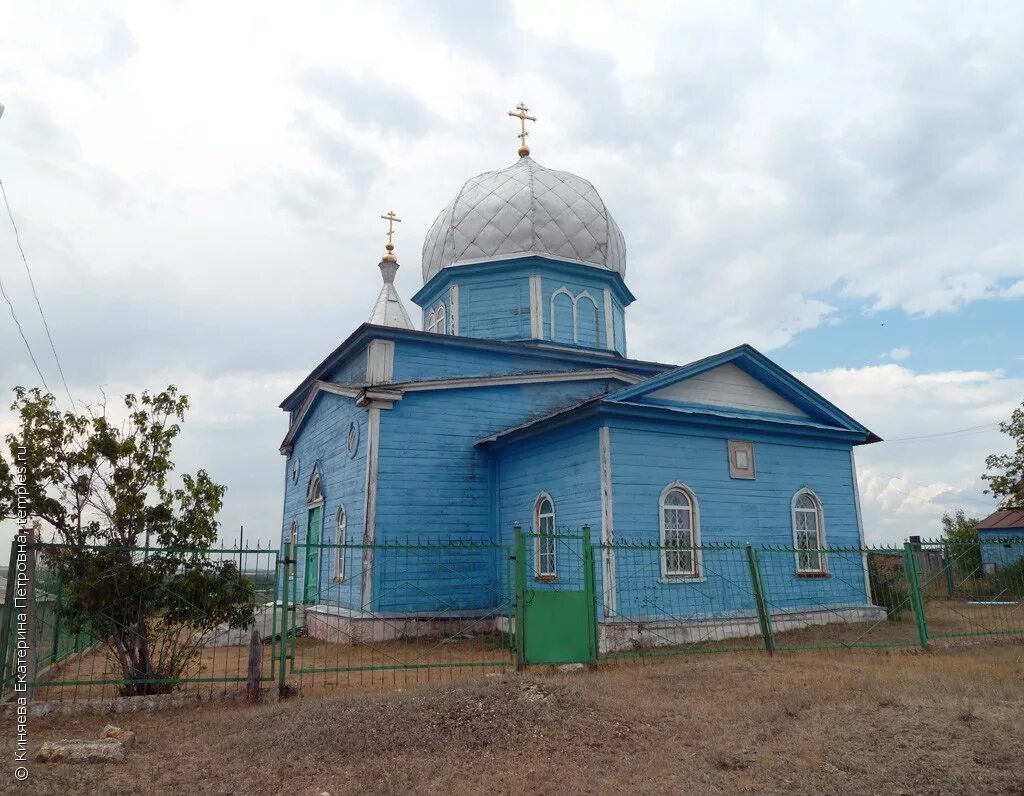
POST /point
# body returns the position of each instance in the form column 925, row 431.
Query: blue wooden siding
column 561, row 321
column 566, row 465
column 1005, row 547
column 421, row 359
column 433, row 482
column 322, row 444
column 350, row 371
column 619, row 326
column 589, row 329
column 648, row 457
column 499, row 310
column 494, row 300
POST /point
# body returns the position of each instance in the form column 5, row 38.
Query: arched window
column 313, row 492
column 437, row 321
column 680, row 532
column 544, row 538
column 808, row 533
column 339, row 550
column 563, row 316
column 587, row 326
column 442, row 319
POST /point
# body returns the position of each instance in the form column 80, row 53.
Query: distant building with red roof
column 1003, row 531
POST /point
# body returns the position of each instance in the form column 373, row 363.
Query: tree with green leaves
column 962, row 547
column 1005, row 476
column 130, row 546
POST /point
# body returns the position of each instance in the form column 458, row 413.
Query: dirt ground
column 872, row 722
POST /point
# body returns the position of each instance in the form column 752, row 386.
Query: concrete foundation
column 342, row 626
column 615, row 635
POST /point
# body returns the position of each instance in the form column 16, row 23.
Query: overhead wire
column 35, row 295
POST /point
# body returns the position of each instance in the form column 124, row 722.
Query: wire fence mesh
column 358, row 617
column 394, row 614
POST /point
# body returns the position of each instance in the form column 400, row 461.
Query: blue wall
column 1009, row 549
column 566, row 465
column 322, row 443
column 434, row 482
column 646, row 457
column 494, row 301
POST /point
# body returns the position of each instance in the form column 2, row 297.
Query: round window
column 353, row 439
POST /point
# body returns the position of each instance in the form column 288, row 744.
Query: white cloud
column 214, row 217
column 898, row 353
column 929, row 463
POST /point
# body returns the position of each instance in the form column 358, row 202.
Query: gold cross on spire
column 524, row 150
column 391, row 218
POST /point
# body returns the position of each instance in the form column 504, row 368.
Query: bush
column 889, row 587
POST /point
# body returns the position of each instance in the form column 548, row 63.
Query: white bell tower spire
column 388, row 309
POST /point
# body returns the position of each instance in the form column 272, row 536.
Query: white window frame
column 538, row 535
column 314, row 491
column 341, row 524
column 437, row 320
column 819, row 512
column 442, row 319
column 696, row 558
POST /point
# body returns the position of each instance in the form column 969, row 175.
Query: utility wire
column 971, row 429
column 35, row 295
column 24, row 339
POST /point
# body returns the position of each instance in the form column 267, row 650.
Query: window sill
column 545, row 578
column 813, row 575
column 667, row 579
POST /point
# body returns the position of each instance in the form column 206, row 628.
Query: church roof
column 822, row 416
column 520, row 210
column 539, row 350
column 388, row 310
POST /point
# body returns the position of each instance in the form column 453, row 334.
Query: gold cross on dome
column 391, row 218
column 524, row 150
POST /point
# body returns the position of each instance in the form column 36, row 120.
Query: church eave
column 366, row 331
column 758, row 365
column 605, row 406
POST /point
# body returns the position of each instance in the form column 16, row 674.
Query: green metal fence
column 353, row 616
column 74, row 655
column 386, row 615
column 720, row 598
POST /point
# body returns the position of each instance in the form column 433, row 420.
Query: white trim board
column 607, row 523
column 370, row 503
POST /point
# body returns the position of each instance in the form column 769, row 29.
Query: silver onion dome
column 521, row 210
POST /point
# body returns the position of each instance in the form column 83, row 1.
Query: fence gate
column 555, row 598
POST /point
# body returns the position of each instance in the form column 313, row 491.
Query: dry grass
column 949, row 721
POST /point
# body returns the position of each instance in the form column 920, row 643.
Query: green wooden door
column 311, row 582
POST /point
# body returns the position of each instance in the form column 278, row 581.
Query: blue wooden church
column 517, row 402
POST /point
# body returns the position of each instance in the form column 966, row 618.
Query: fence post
column 519, row 555
column 7, row 623
column 284, row 583
column 763, row 618
column 910, row 568
column 32, row 532
column 590, row 591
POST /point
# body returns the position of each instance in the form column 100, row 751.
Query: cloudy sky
column 198, row 188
